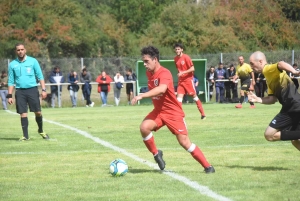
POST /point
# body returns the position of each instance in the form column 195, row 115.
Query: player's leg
column 178, row 127
column 284, row 127
column 242, row 98
column 34, row 106
column 190, row 89
column 22, row 108
column 180, row 92
column 296, row 144
column 152, row 123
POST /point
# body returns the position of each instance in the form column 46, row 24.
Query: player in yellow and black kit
column 286, row 124
column 245, row 73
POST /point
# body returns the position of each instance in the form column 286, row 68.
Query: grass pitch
column 73, row 165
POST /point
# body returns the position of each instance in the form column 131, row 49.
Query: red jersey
column 164, row 103
column 184, row 63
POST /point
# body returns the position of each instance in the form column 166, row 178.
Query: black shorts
column 27, row 97
column 286, row 121
column 245, row 85
column 129, row 88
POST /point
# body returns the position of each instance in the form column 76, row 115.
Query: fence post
column 293, row 57
column 8, row 61
column 81, row 59
column 221, row 57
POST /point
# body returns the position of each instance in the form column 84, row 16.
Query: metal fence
column 121, row 64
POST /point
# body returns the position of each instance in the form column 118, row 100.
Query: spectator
column 23, row 72
column 130, row 76
column 104, row 86
column 246, row 75
column 231, row 86
column 56, row 77
column 220, row 87
column 119, row 80
column 185, row 68
column 293, row 77
column 210, row 77
column 260, row 84
column 73, row 87
column 3, row 88
column 86, row 88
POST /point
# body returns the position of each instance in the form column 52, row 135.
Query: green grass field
column 74, row 164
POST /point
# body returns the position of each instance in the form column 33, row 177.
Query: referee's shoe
column 44, row 136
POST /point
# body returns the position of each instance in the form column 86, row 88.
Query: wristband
column 9, row 96
column 44, row 90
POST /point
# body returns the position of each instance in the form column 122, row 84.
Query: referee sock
column 289, row 135
column 198, row 155
column 24, row 124
column 150, row 144
column 39, row 121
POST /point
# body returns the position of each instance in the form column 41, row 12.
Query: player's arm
column 161, row 89
column 44, row 93
column 265, row 100
column 191, row 69
column 288, row 68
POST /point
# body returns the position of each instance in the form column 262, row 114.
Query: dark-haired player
column 167, row 110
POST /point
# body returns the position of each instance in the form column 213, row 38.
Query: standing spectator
column 73, row 87
column 293, row 77
column 104, row 86
column 210, row 77
column 220, row 86
column 185, row 75
column 56, row 77
column 130, row 76
column 285, row 125
column 231, row 91
column 260, row 84
column 86, row 88
column 167, row 111
column 119, row 80
column 23, row 73
column 3, row 88
column 246, row 75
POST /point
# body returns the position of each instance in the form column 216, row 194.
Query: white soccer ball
column 118, row 167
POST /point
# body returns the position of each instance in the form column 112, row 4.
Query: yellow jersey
column 244, row 72
column 282, row 87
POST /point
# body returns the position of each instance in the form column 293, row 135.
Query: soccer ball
column 118, row 167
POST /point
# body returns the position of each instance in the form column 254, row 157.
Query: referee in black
column 23, row 73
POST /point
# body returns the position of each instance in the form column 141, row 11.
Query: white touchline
column 201, row 189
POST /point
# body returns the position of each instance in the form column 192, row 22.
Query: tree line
column 119, row 28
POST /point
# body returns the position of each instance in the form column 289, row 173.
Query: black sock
column 24, row 124
column 251, row 103
column 242, row 99
column 39, row 121
column 289, row 135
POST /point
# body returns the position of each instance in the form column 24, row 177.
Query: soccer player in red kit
column 185, row 75
column 167, row 110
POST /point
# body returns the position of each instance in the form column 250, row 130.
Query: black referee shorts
column 286, row 121
column 27, row 97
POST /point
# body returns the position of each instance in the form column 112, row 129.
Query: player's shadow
column 13, row 139
column 139, row 171
column 258, row 168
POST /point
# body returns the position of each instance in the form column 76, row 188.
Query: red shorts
column 186, row 87
column 175, row 124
